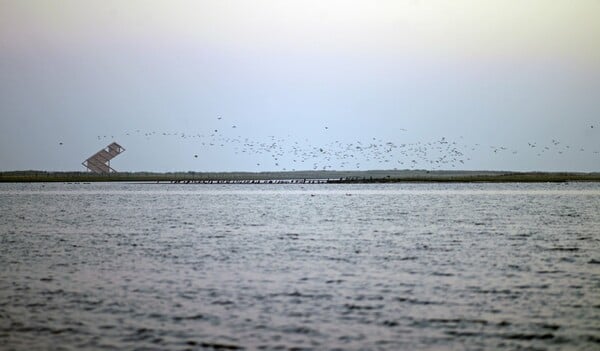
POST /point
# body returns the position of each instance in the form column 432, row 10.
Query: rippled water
column 417, row 266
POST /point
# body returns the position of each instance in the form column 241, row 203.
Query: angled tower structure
column 100, row 161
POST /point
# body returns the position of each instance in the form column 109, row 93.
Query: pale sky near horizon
column 506, row 85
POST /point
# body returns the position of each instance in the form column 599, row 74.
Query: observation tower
column 100, row 161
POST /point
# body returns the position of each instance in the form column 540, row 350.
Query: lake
column 293, row 267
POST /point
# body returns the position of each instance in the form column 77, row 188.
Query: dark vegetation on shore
column 373, row 176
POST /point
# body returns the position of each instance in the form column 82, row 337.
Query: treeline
column 372, row 176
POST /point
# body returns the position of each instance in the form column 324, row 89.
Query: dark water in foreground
column 425, row 266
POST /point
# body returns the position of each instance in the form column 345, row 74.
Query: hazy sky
column 509, row 85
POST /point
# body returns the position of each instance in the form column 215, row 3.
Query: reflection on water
column 382, row 266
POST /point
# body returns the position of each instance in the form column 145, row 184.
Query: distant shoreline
column 302, row 177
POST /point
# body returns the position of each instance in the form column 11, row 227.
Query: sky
column 294, row 85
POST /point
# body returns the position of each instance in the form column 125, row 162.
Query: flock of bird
column 275, row 152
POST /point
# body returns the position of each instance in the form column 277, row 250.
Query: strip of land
column 372, row 176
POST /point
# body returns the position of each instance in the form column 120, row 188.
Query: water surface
column 349, row 266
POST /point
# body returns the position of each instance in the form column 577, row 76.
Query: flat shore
column 338, row 177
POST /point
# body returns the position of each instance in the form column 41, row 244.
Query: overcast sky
column 273, row 85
